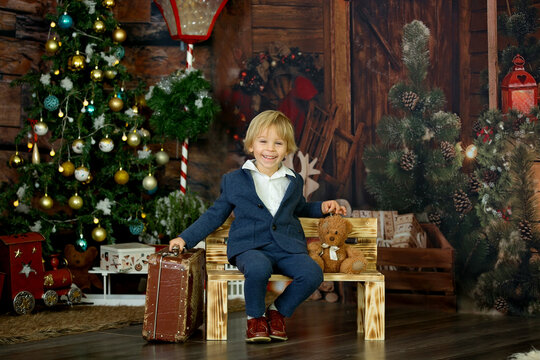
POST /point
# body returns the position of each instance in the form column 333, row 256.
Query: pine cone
column 476, row 127
column 525, row 230
column 474, row 184
column 501, row 305
column 435, row 218
column 490, row 176
column 462, row 203
column 448, row 150
column 408, row 160
column 516, row 124
column 410, row 99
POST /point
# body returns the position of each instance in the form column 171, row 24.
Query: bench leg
column 374, row 311
column 361, row 304
column 216, row 310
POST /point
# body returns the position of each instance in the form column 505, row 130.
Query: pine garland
column 182, row 105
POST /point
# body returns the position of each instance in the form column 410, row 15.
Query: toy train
column 26, row 279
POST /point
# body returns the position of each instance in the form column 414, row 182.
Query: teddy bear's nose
column 332, row 238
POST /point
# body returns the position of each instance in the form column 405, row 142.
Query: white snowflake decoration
column 105, row 206
column 45, row 79
column 307, row 169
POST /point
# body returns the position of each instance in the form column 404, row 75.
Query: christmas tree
column 520, row 26
column 507, row 146
column 100, row 179
column 417, row 165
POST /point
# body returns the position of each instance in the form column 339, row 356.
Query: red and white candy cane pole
column 185, row 144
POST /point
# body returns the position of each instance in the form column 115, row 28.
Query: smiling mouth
column 268, row 157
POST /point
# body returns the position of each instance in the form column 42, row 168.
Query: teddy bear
column 331, row 252
column 79, row 263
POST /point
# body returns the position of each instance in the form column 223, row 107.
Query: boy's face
column 269, row 150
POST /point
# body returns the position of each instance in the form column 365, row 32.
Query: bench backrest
column 364, row 230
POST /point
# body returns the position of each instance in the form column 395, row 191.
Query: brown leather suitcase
column 174, row 303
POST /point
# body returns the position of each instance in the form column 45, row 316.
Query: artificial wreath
column 182, row 105
column 261, row 68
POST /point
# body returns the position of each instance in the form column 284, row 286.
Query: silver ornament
column 149, row 182
column 41, row 128
column 162, row 157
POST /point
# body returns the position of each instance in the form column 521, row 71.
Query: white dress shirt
column 270, row 189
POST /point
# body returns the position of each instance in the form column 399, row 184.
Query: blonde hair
column 266, row 119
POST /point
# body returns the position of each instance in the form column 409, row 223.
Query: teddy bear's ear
column 93, row 251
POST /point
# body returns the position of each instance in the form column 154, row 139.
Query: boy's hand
column 177, row 242
column 332, row 206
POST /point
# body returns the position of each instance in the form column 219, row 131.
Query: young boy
column 266, row 235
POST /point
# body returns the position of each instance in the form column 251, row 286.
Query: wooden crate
column 420, row 276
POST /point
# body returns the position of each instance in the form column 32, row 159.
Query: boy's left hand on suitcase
column 178, row 243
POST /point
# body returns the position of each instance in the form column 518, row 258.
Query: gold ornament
column 141, row 100
column 16, row 161
column 162, row 157
column 99, row 234
column 96, row 75
column 76, row 62
column 69, row 168
column 110, row 74
column 99, row 26
column 149, row 182
column 134, row 139
column 36, row 159
column 46, row 202
column 108, row 3
column 51, row 46
column 89, row 180
column 75, row 202
column 121, row 177
column 116, row 104
column 119, row 35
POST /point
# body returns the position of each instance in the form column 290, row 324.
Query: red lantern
column 190, row 20
column 519, row 89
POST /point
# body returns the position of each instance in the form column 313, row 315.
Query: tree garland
column 182, row 105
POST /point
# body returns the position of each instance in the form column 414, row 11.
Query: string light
column 471, row 151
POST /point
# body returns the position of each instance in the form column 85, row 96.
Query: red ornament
column 486, row 133
column 519, row 90
column 191, row 21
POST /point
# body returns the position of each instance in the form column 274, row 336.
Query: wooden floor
column 317, row 330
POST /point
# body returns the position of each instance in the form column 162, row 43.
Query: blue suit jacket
column 253, row 225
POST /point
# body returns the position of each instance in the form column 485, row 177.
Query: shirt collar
column 282, row 171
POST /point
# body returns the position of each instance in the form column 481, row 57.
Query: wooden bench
column 370, row 284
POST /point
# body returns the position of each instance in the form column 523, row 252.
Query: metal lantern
column 518, row 88
column 190, row 20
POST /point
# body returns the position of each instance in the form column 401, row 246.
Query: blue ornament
column 51, row 103
column 121, row 95
column 81, row 245
column 152, row 191
column 136, row 228
column 90, row 109
column 65, row 21
column 119, row 52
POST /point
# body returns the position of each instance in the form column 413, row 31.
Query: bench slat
column 232, row 275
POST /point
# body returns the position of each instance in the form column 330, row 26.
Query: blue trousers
column 258, row 265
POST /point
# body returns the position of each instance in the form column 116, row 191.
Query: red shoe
column 276, row 322
column 257, row 330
